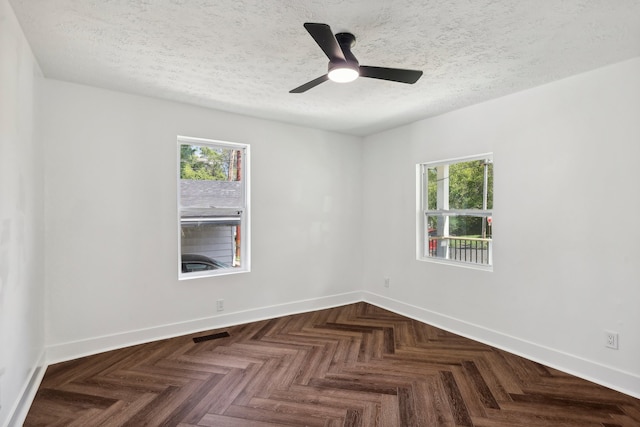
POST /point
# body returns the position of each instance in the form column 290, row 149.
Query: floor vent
column 211, row 337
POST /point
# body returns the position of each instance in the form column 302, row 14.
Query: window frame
column 242, row 216
column 422, row 213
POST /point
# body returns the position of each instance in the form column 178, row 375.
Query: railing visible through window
column 465, row 249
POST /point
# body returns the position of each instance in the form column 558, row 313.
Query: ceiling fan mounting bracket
column 346, row 39
column 346, row 42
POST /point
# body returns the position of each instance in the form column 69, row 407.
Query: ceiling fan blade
column 393, row 74
column 323, row 35
column 310, row 85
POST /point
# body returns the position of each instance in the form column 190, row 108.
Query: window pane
column 432, row 188
column 466, row 185
column 216, row 245
column 460, row 186
column 459, row 238
column 210, row 178
column 210, row 163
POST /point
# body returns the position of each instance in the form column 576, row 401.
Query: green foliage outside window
column 466, row 183
column 205, row 163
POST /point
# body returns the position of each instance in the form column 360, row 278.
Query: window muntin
column 455, row 211
column 212, row 207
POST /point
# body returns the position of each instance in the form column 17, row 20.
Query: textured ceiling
column 244, row 56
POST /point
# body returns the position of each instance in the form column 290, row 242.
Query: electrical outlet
column 611, row 339
column 220, row 305
column 387, row 282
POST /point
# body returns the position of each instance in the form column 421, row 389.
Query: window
column 454, row 214
column 213, row 209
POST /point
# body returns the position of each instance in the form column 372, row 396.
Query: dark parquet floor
column 356, row 365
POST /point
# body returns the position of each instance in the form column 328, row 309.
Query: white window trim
column 421, row 213
column 245, row 238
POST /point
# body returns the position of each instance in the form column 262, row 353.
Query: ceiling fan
column 343, row 65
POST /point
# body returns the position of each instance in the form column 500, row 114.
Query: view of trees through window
column 466, row 191
column 209, row 163
column 457, row 201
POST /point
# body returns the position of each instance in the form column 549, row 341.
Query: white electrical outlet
column 220, row 305
column 611, row 339
column 387, row 282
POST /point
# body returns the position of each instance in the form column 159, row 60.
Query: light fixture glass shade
column 343, row 74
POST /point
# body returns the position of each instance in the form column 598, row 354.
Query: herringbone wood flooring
column 356, row 365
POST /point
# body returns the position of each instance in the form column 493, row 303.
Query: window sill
column 479, row 267
column 212, row 273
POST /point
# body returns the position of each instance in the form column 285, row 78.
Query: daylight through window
column 455, row 211
column 213, row 207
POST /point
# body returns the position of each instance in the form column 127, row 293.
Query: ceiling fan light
column 343, row 74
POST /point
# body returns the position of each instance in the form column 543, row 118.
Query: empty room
column 319, row 213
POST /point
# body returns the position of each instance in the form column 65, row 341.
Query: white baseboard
column 76, row 349
column 18, row 412
column 607, row 376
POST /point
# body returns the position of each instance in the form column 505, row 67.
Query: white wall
column 111, row 223
column 21, row 216
column 566, row 232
